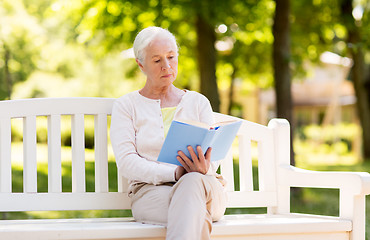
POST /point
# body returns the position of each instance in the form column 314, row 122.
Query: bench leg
column 353, row 207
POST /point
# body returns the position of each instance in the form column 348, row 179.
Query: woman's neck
column 170, row 96
column 156, row 93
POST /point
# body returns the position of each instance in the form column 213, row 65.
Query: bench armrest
column 357, row 182
column 353, row 186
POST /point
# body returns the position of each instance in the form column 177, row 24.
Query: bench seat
column 244, row 226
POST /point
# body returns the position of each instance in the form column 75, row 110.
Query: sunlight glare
column 56, row 7
column 358, row 12
column 222, row 28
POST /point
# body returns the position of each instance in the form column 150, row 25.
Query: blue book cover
column 182, row 134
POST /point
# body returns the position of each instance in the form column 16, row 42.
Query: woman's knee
column 193, row 179
column 193, row 176
column 193, row 183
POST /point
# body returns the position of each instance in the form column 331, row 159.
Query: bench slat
column 101, row 153
column 64, row 201
column 5, row 155
column 54, row 154
column 78, row 153
column 227, row 170
column 255, row 131
column 238, row 199
column 55, row 106
column 29, row 155
column 266, row 166
column 245, row 167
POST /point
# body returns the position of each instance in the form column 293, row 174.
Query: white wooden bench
column 275, row 175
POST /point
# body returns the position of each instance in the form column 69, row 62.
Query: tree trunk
column 281, row 59
column 358, row 73
column 231, row 91
column 206, row 39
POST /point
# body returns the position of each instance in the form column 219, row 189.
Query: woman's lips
column 167, row 76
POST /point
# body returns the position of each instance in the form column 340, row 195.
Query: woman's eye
column 157, row 61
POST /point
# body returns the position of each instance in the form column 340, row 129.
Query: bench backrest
column 55, row 199
column 253, row 148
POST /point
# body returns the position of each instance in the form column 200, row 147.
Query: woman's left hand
column 198, row 163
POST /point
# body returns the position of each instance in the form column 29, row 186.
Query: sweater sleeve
column 130, row 164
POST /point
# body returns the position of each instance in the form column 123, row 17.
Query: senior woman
column 185, row 199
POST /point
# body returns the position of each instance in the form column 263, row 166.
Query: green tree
column 209, row 15
column 245, row 46
column 112, row 25
column 20, row 41
column 329, row 25
column 359, row 72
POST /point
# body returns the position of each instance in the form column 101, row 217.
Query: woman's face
column 160, row 62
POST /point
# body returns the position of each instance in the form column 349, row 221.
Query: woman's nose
column 165, row 64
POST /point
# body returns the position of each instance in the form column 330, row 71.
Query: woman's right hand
column 200, row 163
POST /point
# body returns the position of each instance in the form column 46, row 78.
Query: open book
column 181, row 134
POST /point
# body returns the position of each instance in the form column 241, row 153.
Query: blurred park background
column 307, row 61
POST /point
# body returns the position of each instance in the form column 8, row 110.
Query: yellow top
column 167, row 115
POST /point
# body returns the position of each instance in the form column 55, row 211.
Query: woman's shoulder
column 126, row 96
column 126, row 100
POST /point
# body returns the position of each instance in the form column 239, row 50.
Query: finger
column 208, row 154
column 196, row 162
column 183, row 163
column 203, row 162
column 200, row 156
column 193, row 155
column 186, row 160
column 200, row 153
column 182, row 155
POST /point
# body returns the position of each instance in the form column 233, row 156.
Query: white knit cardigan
column 137, row 134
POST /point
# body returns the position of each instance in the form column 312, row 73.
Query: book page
column 194, row 123
column 204, row 125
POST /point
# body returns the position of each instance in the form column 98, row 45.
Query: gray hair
column 146, row 36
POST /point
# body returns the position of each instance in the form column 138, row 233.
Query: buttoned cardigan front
column 137, row 134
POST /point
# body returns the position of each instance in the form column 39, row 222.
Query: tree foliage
column 114, row 24
column 62, row 43
column 342, row 27
column 361, row 83
column 21, row 39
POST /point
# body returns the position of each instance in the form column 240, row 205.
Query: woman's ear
column 140, row 65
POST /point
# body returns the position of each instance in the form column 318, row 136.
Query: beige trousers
column 187, row 208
